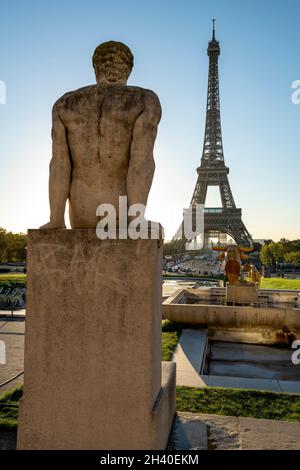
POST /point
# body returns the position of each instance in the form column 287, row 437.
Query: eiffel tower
column 212, row 171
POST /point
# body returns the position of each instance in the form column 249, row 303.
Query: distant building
column 262, row 241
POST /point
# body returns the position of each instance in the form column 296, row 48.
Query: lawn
column 12, row 277
column 170, row 336
column 235, row 402
column 9, row 415
column 221, row 401
column 279, row 283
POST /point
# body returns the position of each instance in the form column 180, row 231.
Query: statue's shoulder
column 67, row 99
column 151, row 100
column 144, row 93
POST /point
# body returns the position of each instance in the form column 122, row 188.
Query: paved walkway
column 12, row 331
column 215, row 432
column 189, row 357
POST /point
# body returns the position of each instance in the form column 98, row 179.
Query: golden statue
column 233, row 256
column 253, row 273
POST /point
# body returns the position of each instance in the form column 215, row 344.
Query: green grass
column 234, row 402
column 9, row 416
column 279, row 283
column 170, row 336
column 12, row 278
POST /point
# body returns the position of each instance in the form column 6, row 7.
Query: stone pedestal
column 93, row 372
column 243, row 294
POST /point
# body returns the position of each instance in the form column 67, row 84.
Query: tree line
column 12, row 246
column 284, row 251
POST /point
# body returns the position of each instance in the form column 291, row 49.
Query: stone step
column 188, row 433
column 214, row 432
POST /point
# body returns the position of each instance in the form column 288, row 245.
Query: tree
column 272, row 253
column 266, row 255
column 3, row 254
column 173, row 247
column 293, row 257
column 12, row 246
column 280, row 252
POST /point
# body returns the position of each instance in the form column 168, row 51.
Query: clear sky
column 46, row 48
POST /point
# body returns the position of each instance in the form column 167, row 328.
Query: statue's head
column 232, row 252
column 112, row 62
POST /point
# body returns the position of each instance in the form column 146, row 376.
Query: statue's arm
column 60, row 172
column 141, row 164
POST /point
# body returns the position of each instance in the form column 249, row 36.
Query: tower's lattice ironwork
column 212, row 170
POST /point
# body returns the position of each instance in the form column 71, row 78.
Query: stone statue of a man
column 103, row 138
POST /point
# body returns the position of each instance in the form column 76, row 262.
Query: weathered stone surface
column 267, row 434
column 246, row 293
column 103, row 138
column 223, row 431
column 236, row 433
column 175, row 309
column 188, row 433
column 93, row 377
